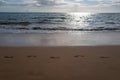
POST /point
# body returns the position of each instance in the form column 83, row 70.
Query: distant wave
column 70, row 29
column 25, row 23
column 62, row 29
column 109, row 22
column 15, row 23
column 45, row 21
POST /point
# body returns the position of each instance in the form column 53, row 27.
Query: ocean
column 59, row 29
column 52, row 22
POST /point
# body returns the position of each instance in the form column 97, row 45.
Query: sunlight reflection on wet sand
column 61, row 39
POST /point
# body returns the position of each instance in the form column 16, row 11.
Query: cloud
column 2, row 2
column 46, row 2
column 61, row 5
column 7, row 3
column 53, row 3
column 97, row 2
column 49, row 2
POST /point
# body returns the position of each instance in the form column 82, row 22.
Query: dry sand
column 60, row 63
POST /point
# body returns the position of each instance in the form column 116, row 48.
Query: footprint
column 55, row 57
column 76, row 56
column 104, row 57
column 29, row 56
column 34, row 56
column 8, row 57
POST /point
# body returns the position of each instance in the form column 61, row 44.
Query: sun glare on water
column 80, row 20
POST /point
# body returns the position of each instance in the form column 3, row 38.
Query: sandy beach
column 60, row 63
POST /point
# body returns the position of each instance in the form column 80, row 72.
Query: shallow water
column 61, row 39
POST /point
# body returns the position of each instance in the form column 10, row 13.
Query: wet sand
column 60, row 63
column 60, row 39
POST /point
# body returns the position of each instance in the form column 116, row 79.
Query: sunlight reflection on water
column 81, row 20
column 59, row 21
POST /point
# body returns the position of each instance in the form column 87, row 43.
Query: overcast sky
column 59, row 5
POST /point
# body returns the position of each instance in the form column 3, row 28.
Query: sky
column 109, row 6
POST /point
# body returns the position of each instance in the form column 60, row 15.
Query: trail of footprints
column 53, row 57
column 33, row 74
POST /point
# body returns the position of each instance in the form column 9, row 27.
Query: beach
column 60, row 63
column 60, row 56
column 59, row 46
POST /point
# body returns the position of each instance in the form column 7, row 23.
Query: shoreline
column 61, row 39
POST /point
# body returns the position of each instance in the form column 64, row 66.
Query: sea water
column 37, row 22
column 59, row 29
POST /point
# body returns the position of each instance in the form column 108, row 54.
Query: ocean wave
column 70, row 29
column 61, row 29
column 26, row 23
column 60, row 22
column 15, row 23
column 110, row 23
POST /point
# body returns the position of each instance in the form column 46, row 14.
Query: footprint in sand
column 8, row 57
column 77, row 56
column 104, row 57
column 55, row 57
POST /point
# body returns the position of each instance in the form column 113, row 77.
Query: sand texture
column 60, row 63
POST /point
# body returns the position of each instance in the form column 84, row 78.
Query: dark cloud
column 46, row 2
column 50, row 2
